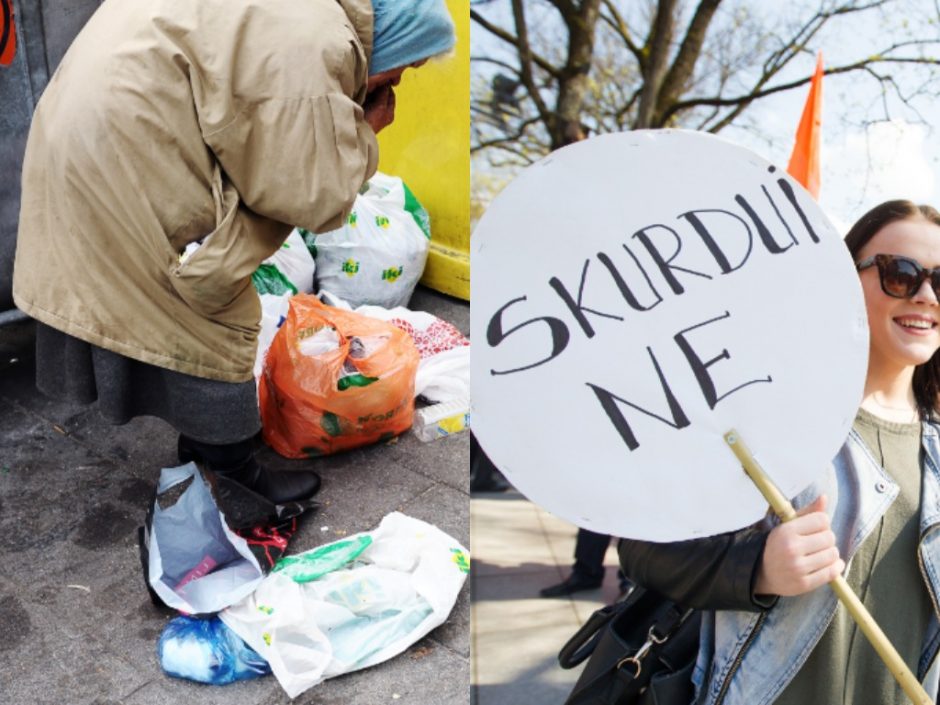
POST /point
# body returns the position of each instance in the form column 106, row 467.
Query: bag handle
column 584, row 641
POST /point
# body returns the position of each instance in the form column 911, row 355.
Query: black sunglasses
column 901, row 277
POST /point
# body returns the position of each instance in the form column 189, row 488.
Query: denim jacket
column 748, row 658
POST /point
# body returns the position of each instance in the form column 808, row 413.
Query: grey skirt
column 205, row 410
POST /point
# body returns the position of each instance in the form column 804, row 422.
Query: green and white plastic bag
column 274, row 308
column 378, row 255
column 287, row 272
column 352, row 603
column 290, row 270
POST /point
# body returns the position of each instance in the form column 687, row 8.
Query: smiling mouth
column 916, row 324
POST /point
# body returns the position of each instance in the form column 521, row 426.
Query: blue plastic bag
column 207, row 651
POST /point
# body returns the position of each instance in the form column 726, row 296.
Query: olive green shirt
column 885, row 574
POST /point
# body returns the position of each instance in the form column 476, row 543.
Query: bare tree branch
column 747, row 99
column 617, row 24
column 702, row 64
column 511, row 39
column 525, row 62
column 510, row 138
column 682, row 66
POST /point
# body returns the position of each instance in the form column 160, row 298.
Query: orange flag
column 7, row 33
column 804, row 161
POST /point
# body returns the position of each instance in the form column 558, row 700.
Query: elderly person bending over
column 220, row 121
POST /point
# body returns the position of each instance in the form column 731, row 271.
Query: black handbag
column 642, row 651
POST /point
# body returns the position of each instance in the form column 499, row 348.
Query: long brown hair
column 926, row 376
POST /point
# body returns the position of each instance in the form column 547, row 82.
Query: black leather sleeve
column 717, row 572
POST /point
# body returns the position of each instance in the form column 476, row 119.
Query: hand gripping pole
column 783, row 509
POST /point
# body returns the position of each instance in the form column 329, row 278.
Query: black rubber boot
column 236, row 462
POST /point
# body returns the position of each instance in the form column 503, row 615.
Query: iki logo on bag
column 382, row 221
column 390, row 275
column 350, row 266
column 352, row 219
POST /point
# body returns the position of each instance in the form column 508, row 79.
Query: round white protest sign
column 635, row 296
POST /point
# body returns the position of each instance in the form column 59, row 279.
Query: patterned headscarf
column 406, row 31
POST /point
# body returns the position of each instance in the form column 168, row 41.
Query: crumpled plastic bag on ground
column 207, row 651
column 335, row 380
column 198, row 561
column 378, row 255
column 353, row 603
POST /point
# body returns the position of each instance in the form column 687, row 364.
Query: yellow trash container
column 428, row 146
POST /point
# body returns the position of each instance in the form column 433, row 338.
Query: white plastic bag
column 287, row 272
column 274, row 309
column 295, row 261
column 378, row 255
column 365, row 599
column 196, row 564
column 290, row 269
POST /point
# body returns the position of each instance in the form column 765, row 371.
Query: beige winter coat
column 169, row 122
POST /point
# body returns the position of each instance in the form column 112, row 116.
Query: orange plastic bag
column 334, row 380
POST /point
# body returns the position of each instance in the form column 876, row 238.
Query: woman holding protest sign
column 221, row 123
column 769, row 634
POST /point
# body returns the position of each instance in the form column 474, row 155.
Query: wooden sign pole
column 783, row 509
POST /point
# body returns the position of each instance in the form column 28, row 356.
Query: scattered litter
column 80, row 587
column 6, row 470
column 197, row 559
column 324, row 528
column 395, row 696
column 60, row 429
column 442, row 419
column 314, row 564
column 207, row 651
column 387, row 589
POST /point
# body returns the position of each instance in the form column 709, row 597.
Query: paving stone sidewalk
column 76, row 624
column 519, row 548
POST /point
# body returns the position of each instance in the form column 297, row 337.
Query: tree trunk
column 654, row 67
column 680, row 73
column 581, row 22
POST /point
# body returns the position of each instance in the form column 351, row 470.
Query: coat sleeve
column 298, row 160
column 717, row 572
